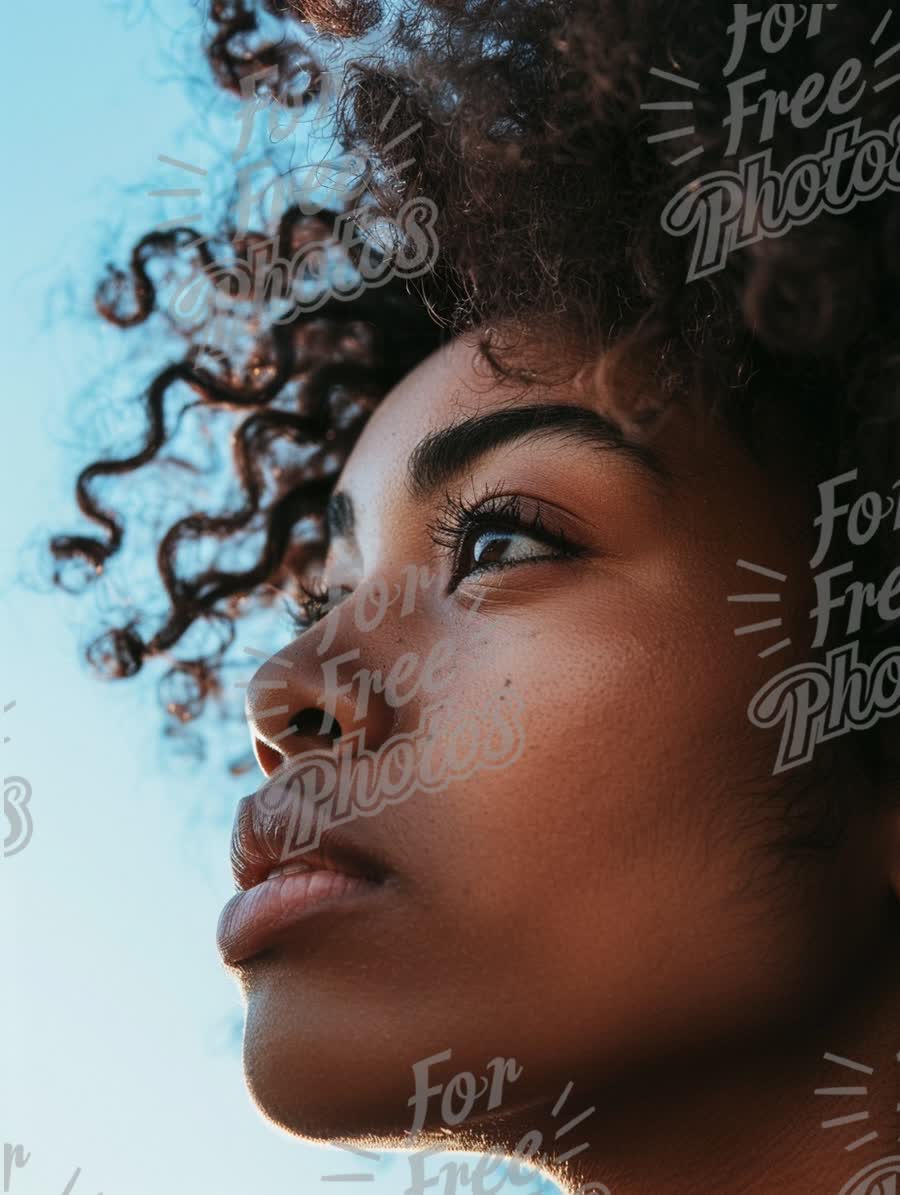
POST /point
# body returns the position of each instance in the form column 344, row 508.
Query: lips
column 275, row 895
column 260, row 836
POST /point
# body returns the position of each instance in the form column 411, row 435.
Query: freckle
column 507, row 682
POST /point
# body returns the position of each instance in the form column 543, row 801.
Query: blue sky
column 121, row 1031
column 119, row 1052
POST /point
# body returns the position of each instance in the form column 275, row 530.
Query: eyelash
column 309, row 609
column 461, row 518
column 453, row 527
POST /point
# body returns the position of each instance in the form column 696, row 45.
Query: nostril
column 313, row 723
column 307, row 724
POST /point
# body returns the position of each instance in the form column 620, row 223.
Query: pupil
column 494, row 551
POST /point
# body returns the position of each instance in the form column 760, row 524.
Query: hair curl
column 527, row 124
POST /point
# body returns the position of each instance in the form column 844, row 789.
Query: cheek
column 635, row 734
column 618, row 842
column 627, row 762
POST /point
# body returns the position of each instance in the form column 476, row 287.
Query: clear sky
column 121, row 1032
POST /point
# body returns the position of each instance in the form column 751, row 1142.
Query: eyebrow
column 444, row 454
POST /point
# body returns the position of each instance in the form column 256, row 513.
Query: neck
column 751, row 1122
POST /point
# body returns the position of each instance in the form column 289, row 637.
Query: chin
column 325, row 1078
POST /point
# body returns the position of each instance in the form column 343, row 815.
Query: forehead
column 447, row 386
column 452, row 385
column 711, row 476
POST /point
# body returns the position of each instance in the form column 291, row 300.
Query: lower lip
column 252, row 918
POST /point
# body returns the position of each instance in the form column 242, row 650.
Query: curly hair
column 543, row 132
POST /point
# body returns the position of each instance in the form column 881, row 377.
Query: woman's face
column 607, row 893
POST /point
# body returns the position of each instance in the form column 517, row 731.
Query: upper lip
column 257, row 847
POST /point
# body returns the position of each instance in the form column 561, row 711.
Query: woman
column 579, row 771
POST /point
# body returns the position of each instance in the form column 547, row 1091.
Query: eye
column 500, row 547
column 494, row 533
column 318, row 600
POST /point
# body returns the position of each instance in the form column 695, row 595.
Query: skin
column 613, row 909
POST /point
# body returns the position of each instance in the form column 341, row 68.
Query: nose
column 304, row 699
